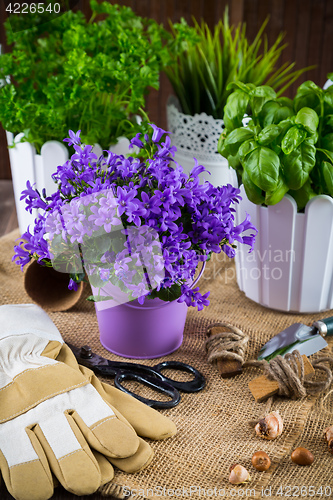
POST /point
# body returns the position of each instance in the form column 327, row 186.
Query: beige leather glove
column 53, row 421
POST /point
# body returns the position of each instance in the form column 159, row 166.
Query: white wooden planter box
column 291, row 267
column 27, row 165
column 196, row 137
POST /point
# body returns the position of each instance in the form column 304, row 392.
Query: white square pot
column 291, row 267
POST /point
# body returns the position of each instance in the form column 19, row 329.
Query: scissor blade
column 305, row 339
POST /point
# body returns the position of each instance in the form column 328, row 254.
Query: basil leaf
column 298, row 164
column 246, row 148
column 329, row 120
column 254, row 194
column 245, row 87
column 328, row 154
column 267, row 113
column 285, row 101
column 262, row 166
column 327, row 142
column 273, row 197
column 268, row 134
column 293, row 138
column 283, row 114
column 236, row 138
column 328, row 99
column 235, row 109
column 327, row 170
column 235, row 163
column 303, row 195
column 309, row 95
column 308, row 118
column 259, row 96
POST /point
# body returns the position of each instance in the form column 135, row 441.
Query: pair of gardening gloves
column 57, row 420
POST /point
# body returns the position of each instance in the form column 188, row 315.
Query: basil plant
column 278, row 145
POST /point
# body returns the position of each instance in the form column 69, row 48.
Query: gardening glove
column 52, row 351
column 146, row 421
column 52, row 420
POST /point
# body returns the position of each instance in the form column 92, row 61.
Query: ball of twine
column 288, row 372
column 229, row 344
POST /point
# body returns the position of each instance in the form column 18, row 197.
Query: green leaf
column 327, row 153
column 327, row 170
column 262, row 166
column 308, row 118
column 303, row 195
column 246, row 148
column 99, row 298
column 327, row 142
column 283, row 113
column 171, row 293
column 235, row 109
column 267, row 114
column 298, row 164
column 236, row 138
column 293, row 138
column 268, row 134
column 259, row 96
column 275, row 196
column 308, row 95
column 247, row 88
column 254, row 194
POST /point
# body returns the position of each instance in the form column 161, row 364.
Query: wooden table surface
column 8, row 222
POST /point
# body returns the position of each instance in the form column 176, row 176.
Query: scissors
column 150, row 376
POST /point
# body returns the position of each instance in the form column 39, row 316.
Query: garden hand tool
column 52, row 420
column 147, row 375
column 306, row 339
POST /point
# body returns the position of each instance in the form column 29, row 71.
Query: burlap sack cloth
column 213, row 430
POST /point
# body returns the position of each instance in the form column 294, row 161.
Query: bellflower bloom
column 74, row 138
column 140, row 224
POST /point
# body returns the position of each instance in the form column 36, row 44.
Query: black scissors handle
column 152, row 382
column 194, row 385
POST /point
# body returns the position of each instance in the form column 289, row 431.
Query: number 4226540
column 32, row 8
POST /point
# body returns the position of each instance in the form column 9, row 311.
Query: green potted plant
column 283, row 156
column 72, row 73
column 200, row 78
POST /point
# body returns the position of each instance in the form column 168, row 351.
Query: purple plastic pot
column 151, row 330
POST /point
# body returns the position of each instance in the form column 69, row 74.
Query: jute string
column 229, row 344
column 287, row 371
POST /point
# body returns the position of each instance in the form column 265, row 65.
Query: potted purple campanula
column 137, row 228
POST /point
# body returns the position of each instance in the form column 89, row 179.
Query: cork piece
column 262, row 388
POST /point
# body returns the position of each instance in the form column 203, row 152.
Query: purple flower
column 72, row 285
column 157, row 133
column 84, row 156
column 74, row 138
column 167, row 221
column 136, row 141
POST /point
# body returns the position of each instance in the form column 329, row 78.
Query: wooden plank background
column 307, row 24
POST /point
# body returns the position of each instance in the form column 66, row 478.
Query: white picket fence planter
column 27, row 165
column 196, row 137
column 291, row 267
